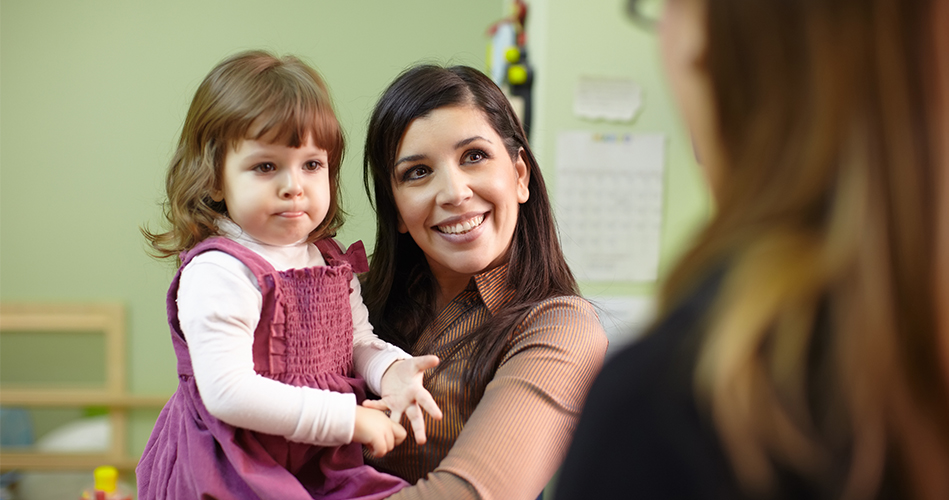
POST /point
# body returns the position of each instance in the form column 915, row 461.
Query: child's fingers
column 376, row 404
column 382, row 443
column 378, row 447
column 398, row 433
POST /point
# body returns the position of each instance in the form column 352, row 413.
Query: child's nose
column 291, row 186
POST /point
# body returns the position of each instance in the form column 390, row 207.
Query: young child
column 267, row 321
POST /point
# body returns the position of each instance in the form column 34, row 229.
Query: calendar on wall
column 609, row 203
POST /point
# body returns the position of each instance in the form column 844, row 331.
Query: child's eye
column 474, row 156
column 312, row 165
column 414, row 173
column 265, row 168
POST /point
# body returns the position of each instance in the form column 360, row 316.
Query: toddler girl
column 267, row 321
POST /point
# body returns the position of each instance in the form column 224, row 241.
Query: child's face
column 275, row 193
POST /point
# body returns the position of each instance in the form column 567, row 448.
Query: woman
column 797, row 354
column 467, row 266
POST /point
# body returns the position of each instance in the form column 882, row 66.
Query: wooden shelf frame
column 109, row 319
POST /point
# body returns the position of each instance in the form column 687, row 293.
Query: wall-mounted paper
column 624, row 319
column 609, row 204
column 610, row 99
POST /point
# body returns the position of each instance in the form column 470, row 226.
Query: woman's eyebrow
column 408, row 158
column 464, row 142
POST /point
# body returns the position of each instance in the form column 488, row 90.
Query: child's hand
column 403, row 392
column 375, row 430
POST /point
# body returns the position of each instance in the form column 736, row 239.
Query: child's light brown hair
column 251, row 95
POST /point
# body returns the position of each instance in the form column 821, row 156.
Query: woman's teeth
column 462, row 227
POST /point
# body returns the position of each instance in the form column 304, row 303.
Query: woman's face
column 683, row 42
column 458, row 192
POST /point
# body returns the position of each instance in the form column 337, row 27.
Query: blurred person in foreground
column 798, row 352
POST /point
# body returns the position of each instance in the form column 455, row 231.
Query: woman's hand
column 375, row 430
column 403, row 393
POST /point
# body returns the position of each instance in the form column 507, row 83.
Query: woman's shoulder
column 568, row 321
column 567, row 310
column 564, row 303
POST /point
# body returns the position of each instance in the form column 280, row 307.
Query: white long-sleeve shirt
column 219, row 305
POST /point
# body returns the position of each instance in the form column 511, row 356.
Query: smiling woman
column 458, row 192
column 468, row 266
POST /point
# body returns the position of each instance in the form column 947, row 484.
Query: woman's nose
column 290, row 186
column 454, row 187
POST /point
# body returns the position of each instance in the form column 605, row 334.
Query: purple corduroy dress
column 304, row 338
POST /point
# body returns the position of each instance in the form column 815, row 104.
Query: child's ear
column 217, row 195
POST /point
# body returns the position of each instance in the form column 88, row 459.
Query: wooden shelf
column 109, row 319
column 64, row 461
column 72, row 398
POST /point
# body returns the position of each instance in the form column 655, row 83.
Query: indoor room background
column 93, row 95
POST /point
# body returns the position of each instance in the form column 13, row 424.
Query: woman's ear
column 523, row 176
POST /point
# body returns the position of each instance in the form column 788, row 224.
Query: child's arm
column 219, row 307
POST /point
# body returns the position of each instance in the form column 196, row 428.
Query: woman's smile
column 463, row 227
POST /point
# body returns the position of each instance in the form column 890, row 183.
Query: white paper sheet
column 609, row 204
column 612, row 99
column 624, row 319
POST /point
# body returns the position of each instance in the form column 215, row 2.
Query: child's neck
column 281, row 257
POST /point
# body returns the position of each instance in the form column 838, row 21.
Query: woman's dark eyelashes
column 474, row 155
column 414, row 172
column 419, row 171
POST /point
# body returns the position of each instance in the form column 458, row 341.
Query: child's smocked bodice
column 305, row 332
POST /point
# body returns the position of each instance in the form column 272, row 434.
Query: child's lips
column 291, row 215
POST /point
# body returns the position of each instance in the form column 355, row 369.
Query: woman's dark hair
column 399, row 289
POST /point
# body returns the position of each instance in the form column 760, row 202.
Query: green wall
column 93, row 95
column 568, row 40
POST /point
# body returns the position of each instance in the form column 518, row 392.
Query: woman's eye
column 474, row 156
column 265, row 168
column 312, row 165
column 416, row 172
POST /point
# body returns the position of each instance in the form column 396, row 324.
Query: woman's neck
column 448, row 289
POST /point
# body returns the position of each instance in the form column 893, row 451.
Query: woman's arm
column 517, row 436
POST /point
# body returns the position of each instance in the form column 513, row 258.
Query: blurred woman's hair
column 399, row 289
column 824, row 335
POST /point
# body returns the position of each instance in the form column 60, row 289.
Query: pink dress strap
column 355, row 255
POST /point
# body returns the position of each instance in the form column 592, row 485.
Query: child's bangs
column 290, row 118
